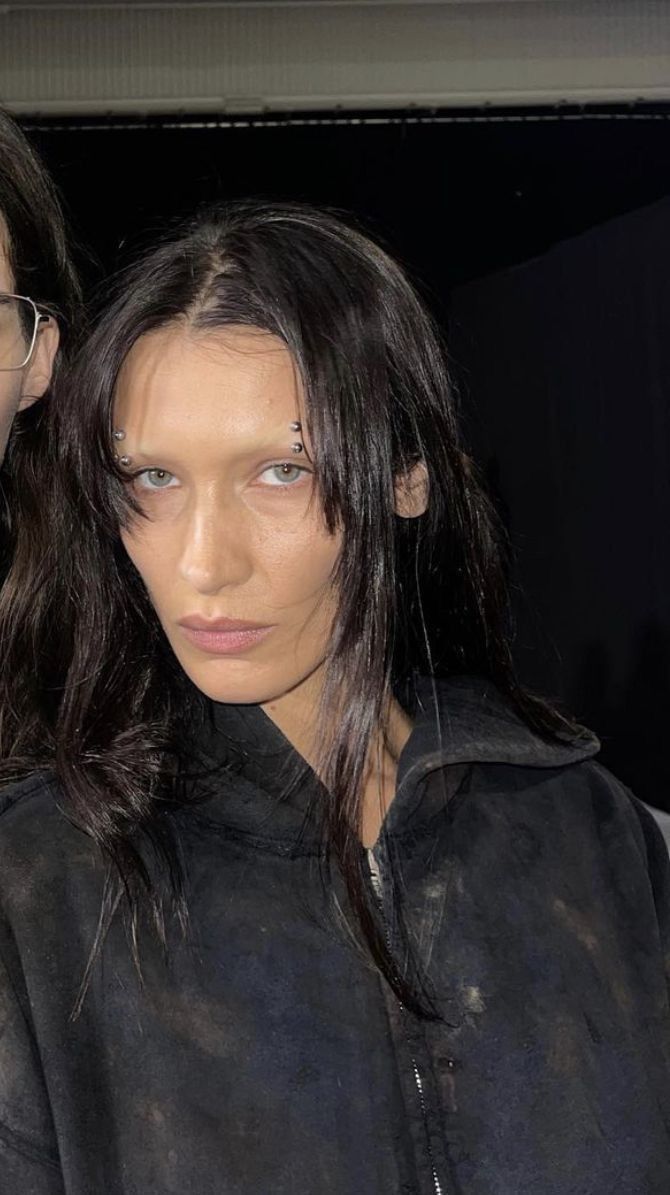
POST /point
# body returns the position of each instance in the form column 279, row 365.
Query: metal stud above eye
column 124, row 460
column 296, row 447
column 119, row 434
column 296, row 426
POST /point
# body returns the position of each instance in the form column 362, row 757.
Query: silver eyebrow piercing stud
column 296, row 426
column 119, row 434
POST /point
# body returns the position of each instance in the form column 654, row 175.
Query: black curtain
column 564, row 365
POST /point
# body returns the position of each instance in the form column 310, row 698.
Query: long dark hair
column 424, row 595
column 37, row 247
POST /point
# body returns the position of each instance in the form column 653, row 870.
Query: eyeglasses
column 19, row 324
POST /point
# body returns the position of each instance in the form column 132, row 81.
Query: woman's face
column 231, row 531
column 20, row 387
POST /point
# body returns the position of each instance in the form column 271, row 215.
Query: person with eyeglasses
column 28, row 340
column 40, row 306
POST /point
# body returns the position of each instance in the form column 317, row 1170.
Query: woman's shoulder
column 587, row 799
column 596, row 816
column 611, row 802
column 37, row 840
column 24, row 801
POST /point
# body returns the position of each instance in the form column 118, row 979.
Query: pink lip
column 223, row 636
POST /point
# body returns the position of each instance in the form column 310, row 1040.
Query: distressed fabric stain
column 269, row 1056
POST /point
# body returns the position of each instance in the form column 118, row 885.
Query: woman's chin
column 235, row 681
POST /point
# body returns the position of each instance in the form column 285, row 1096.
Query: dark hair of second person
column 35, row 262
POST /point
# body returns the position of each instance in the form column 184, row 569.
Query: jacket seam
column 284, row 847
column 40, row 784
column 28, row 1149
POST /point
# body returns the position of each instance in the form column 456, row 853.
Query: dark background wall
column 458, row 195
column 561, row 361
column 565, row 361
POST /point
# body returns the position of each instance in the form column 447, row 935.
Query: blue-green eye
column 284, row 475
column 155, row 479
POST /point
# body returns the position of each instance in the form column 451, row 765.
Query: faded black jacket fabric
column 267, row 1057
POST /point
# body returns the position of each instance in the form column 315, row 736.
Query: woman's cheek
column 149, row 551
column 302, row 564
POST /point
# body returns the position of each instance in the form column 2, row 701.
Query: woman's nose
column 214, row 552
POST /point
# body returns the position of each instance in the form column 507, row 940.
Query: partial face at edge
column 231, row 531
column 20, row 388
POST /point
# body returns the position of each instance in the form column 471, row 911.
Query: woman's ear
column 411, row 492
column 37, row 375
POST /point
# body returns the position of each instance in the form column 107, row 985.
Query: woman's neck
column 379, row 784
column 295, row 714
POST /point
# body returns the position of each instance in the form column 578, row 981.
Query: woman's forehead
column 229, row 382
column 178, row 345
column 168, row 358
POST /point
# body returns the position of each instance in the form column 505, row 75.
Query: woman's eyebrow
column 277, row 445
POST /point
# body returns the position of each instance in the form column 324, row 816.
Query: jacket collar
column 467, row 720
column 262, row 786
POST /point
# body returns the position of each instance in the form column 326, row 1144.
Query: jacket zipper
column 375, row 879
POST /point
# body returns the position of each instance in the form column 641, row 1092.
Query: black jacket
column 268, row 1057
